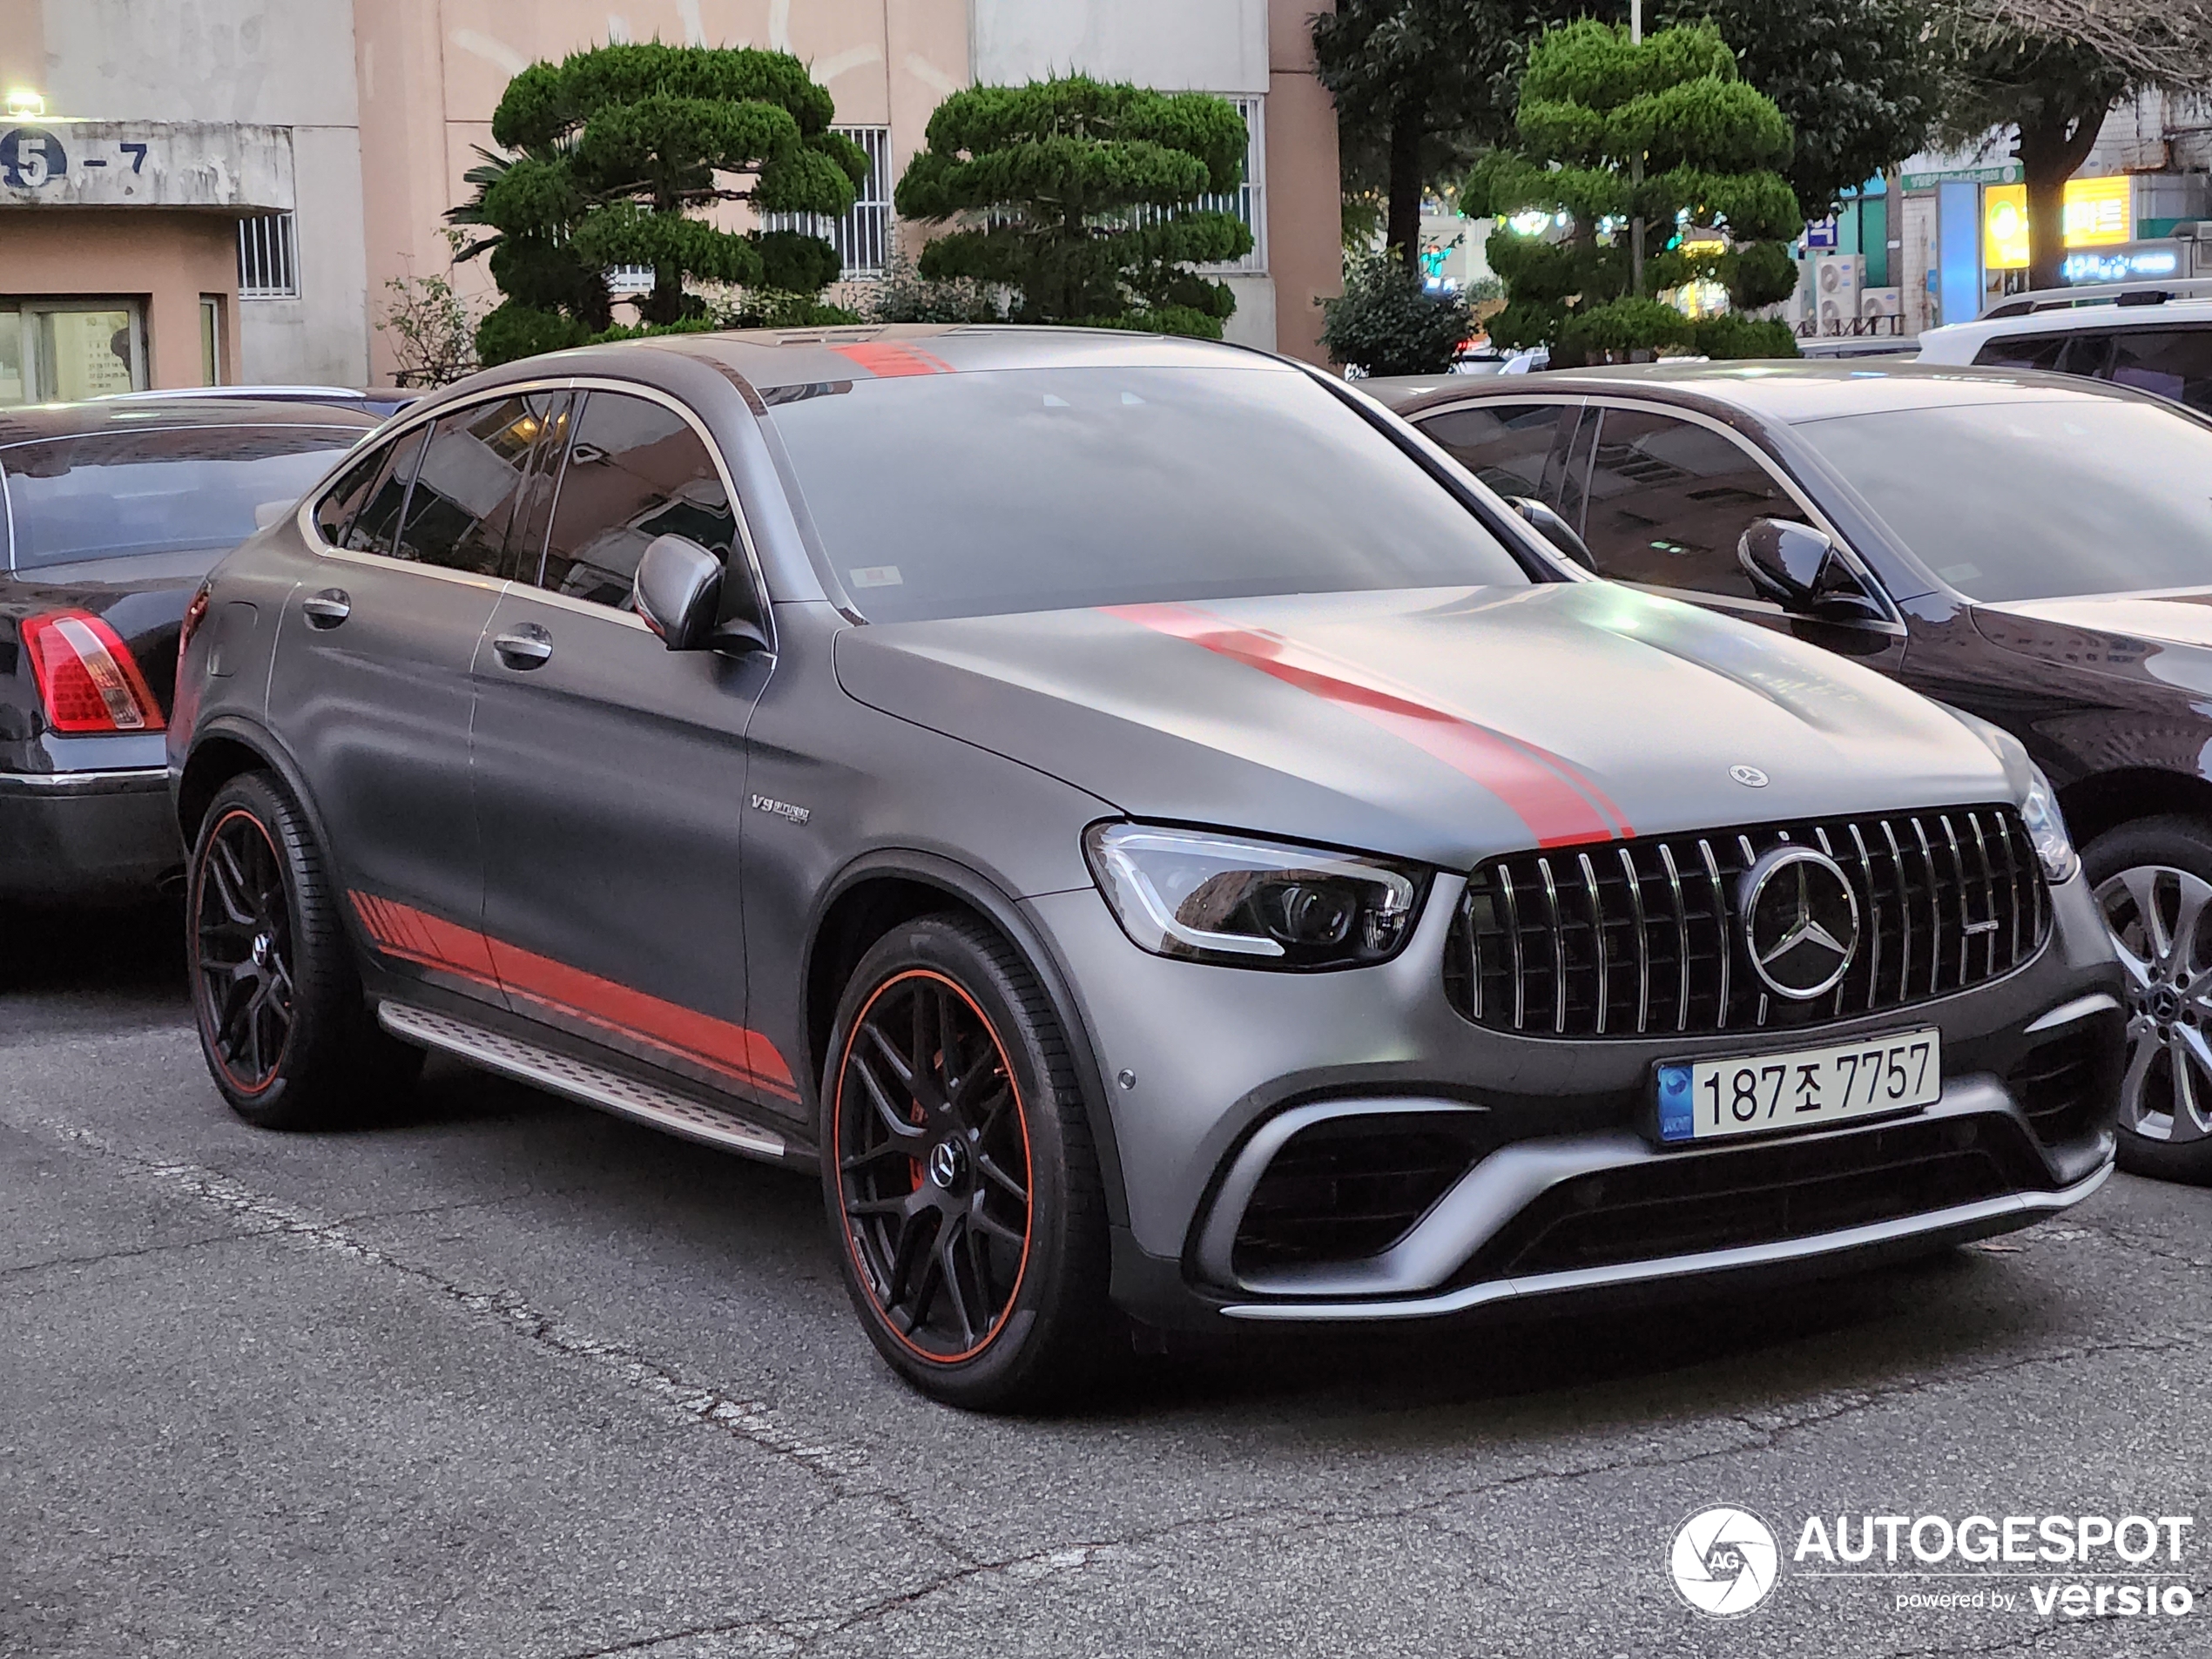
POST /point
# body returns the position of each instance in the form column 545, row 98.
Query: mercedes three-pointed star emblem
column 1800, row 917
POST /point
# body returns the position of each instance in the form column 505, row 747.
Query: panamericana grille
column 1639, row 938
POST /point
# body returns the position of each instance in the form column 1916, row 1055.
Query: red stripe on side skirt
column 415, row 935
column 1560, row 804
column 887, row 359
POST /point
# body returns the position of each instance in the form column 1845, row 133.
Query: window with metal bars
column 268, row 257
column 1641, row 938
column 1247, row 201
column 861, row 235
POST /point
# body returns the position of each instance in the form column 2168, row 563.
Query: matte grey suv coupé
column 1154, row 833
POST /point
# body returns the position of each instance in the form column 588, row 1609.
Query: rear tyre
column 286, row 1033
column 2153, row 881
column 959, row 1172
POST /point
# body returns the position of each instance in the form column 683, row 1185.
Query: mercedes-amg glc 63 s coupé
column 1163, row 842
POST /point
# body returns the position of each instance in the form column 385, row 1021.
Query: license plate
column 1705, row 1100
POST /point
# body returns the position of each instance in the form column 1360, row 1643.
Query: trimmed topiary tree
column 614, row 153
column 1665, row 130
column 1079, row 199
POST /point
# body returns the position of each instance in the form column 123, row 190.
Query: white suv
column 2139, row 337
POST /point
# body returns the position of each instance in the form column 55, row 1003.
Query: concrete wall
column 164, row 258
column 1305, row 215
column 1182, row 45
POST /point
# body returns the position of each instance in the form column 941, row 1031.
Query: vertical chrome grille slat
column 1513, row 933
column 1597, row 927
column 1983, row 849
column 1558, row 948
column 1681, row 938
column 1722, row 927
column 1643, row 942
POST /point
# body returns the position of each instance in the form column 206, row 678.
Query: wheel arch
column 227, row 748
column 2106, row 800
column 877, row 891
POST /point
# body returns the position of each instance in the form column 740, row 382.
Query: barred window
column 862, row 235
column 268, row 257
column 1246, row 200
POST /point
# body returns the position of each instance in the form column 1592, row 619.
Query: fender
column 1005, row 913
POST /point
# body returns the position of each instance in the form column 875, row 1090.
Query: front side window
column 468, row 481
column 2036, row 497
column 1669, row 500
column 1510, row 447
column 992, row 491
column 635, row 469
column 111, row 495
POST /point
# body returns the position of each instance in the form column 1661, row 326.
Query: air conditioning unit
column 1837, row 280
column 1881, row 302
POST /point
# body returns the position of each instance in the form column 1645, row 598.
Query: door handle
column 524, row 647
column 327, row 609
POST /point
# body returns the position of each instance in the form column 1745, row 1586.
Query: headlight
column 2047, row 827
column 1214, row 897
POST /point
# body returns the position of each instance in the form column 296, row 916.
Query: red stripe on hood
column 1561, row 804
column 887, row 359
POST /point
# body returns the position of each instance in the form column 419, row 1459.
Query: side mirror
column 1548, row 523
column 1798, row 567
column 679, row 583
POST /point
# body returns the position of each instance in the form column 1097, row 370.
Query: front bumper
column 70, row 835
column 1561, row 1191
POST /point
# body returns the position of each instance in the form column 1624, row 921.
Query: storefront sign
column 1994, row 173
column 2004, row 227
column 2097, row 210
column 2132, row 262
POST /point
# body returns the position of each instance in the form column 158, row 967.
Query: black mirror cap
column 679, row 585
column 1798, row 567
column 1543, row 518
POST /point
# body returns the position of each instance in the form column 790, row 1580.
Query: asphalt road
column 502, row 1377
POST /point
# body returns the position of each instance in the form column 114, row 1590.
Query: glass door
column 62, row 350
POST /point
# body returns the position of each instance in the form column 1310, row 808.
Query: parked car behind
column 1140, row 824
column 379, row 400
column 2140, row 338
column 110, row 512
column 2032, row 549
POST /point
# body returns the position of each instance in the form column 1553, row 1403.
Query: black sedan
column 110, row 512
column 2033, row 549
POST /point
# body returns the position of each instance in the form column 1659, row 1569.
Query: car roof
column 770, row 359
column 118, row 415
column 1778, row 390
column 1958, row 341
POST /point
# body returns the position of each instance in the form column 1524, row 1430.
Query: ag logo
column 1724, row 1561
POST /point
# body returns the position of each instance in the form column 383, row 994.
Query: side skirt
column 580, row 1080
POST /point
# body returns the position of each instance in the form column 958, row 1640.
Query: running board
column 580, row 1080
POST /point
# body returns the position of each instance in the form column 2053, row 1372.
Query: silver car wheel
column 2158, row 916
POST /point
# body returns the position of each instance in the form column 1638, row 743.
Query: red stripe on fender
column 887, row 359
column 1560, row 804
column 417, row 936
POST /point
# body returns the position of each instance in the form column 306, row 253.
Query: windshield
column 975, row 494
column 113, row 494
column 2033, row 498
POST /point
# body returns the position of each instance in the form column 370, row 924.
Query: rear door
column 371, row 684
column 610, row 771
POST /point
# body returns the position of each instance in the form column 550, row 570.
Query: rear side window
column 636, row 471
column 111, row 495
column 1669, row 500
column 468, row 482
column 2022, row 351
column 371, row 526
column 2173, row 362
column 1509, row 446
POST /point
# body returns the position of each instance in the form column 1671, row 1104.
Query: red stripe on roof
column 1560, row 803
column 887, row 359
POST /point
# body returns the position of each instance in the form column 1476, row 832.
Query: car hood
column 2164, row 636
column 1447, row 725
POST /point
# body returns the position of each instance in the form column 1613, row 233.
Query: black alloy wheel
column 242, row 929
column 958, row 1170
column 287, row 1035
column 933, row 1165
column 2153, row 882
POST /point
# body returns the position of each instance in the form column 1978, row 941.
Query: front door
column 610, row 771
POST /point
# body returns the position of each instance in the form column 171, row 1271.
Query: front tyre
column 958, row 1173
column 2153, row 881
column 284, row 1028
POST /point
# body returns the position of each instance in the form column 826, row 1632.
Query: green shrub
column 1386, row 323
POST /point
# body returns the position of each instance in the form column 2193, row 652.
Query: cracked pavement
column 500, row 1376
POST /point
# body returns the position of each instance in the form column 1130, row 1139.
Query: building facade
column 208, row 190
